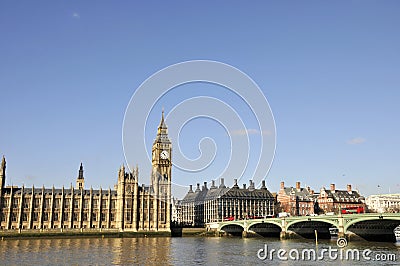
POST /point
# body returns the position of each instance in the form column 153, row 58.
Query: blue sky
column 330, row 71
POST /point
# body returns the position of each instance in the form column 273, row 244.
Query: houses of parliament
column 129, row 207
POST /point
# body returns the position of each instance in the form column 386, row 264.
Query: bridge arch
column 234, row 229
column 266, row 228
column 363, row 219
column 331, row 222
column 378, row 229
column 308, row 227
column 277, row 223
column 231, row 223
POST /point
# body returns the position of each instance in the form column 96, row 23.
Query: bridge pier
column 245, row 232
column 341, row 232
column 283, row 234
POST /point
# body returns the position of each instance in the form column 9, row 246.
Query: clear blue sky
column 330, row 71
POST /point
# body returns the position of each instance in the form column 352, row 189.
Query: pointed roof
column 162, row 132
column 162, row 122
column 80, row 175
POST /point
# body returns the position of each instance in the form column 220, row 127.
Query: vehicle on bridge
column 230, row 218
column 283, row 214
column 350, row 210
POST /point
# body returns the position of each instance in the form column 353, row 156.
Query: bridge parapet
column 341, row 222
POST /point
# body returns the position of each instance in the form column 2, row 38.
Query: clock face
column 164, row 154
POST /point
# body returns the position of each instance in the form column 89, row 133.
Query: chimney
column 222, row 185
column 333, row 188
column 205, row 186
column 282, row 185
column 235, row 185
column 308, row 188
column 349, row 188
column 190, row 189
column 263, row 184
column 212, row 183
column 298, row 186
column 312, row 192
column 198, row 187
column 251, row 186
column 244, row 186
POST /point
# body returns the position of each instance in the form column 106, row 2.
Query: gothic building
column 129, row 207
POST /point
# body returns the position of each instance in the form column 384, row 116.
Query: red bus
column 231, row 218
column 351, row 210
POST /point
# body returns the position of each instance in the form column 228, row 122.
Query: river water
column 183, row 251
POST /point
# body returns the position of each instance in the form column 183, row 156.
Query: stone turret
column 80, row 181
column 120, row 197
column 3, row 172
column 2, row 180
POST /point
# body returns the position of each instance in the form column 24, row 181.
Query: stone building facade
column 300, row 201
column 334, row 200
column 219, row 203
column 383, row 203
column 297, row 201
column 129, row 206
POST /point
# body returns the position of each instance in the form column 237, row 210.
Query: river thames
column 186, row 251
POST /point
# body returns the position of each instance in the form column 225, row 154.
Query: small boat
column 397, row 232
column 333, row 231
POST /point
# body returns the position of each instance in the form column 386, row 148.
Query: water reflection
column 153, row 251
column 163, row 251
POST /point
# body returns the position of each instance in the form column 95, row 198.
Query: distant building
column 383, row 203
column 129, row 207
column 176, row 215
column 333, row 200
column 297, row 201
column 219, row 203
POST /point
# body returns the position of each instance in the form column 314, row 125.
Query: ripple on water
column 166, row 251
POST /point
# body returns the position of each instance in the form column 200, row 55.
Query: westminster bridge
column 369, row 226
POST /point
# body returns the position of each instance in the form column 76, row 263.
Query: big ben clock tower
column 161, row 178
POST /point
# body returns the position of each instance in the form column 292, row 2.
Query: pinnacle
column 162, row 122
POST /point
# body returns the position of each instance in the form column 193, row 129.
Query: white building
column 383, row 203
column 176, row 213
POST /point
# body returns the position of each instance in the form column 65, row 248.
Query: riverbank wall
column 103, row 233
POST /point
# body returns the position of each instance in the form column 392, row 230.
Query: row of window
column 46, row 215
column 26, row 203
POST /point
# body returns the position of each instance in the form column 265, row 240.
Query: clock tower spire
column 161, row 177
